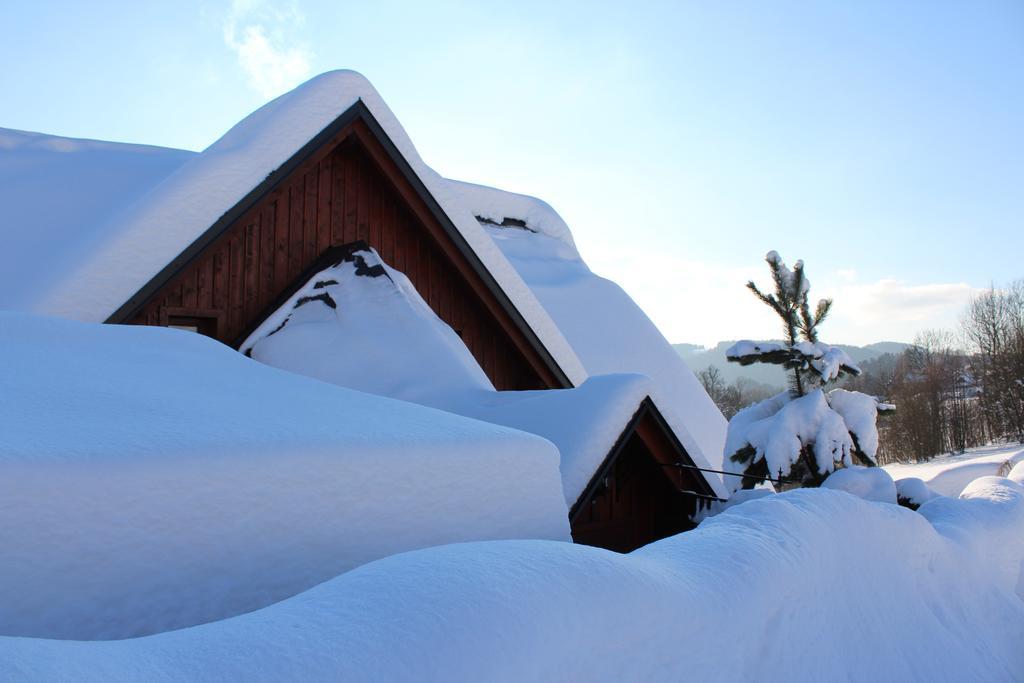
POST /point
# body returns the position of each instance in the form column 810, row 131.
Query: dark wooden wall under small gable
column 641, row 494
column 347, row 190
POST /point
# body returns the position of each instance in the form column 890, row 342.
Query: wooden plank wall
column 335, row 197
column 640, row 503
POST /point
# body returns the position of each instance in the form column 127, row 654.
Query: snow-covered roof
column 587, row 324
column 608, row 332
column 150, row 233
column 59, row 196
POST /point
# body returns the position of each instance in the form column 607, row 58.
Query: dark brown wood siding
column 639, row 497
column 346, row 191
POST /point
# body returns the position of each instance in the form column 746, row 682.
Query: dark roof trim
column 647, row 407
column 463, row 246
column 180, row 262
column 360, row 112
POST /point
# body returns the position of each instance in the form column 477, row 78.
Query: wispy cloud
column 264, row 37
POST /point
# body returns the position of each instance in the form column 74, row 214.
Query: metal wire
column 732, row 474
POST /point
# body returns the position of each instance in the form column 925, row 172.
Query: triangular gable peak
column 647, row 488
column 349, row 183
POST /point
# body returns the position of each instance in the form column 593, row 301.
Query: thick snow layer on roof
column 139, row 243
column 351, row 325
column 363, row 325
column 812, row 584
column 57, row 193
column 498, row 206
column 154, row 479
column 611, row 334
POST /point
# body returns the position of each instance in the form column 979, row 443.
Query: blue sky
column 881, row 142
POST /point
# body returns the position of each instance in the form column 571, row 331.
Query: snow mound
column 948, row 474
column 846, row 579
column 1017, row 473
column 361, row 324
column 913, row 492
column 869, row 483
column 154, row 479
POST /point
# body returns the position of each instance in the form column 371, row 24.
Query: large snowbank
column 57, row 195
column 154, row 479
column 608, row 332
column 808, row 585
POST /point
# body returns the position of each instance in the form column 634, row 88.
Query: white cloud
column 705, row 303
column 263, row 38
column 893, row 309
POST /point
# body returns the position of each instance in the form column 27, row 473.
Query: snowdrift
column 155, row 479
column 808, row 585
column 948, row 474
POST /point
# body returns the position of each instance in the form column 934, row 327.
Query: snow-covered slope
column 810, row 585
column 57, row 194
column 154, row 479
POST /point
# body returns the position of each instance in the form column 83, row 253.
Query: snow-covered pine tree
column 804, row 434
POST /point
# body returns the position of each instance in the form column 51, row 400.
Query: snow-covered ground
column 948, row 474
column 154, row 479
column 808, row 585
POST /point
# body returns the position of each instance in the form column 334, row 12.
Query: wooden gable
column 349, row 184
column 647, row 488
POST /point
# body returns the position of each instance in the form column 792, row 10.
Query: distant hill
column 699, row 358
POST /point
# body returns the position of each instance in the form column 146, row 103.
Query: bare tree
column 994, row 328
